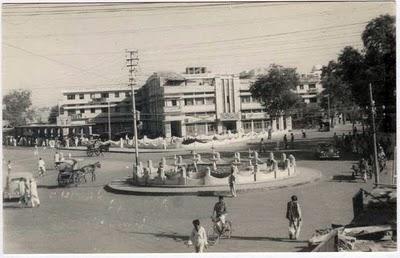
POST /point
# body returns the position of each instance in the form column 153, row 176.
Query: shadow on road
column 343, row 178
column 174, row 236
column 275, row 239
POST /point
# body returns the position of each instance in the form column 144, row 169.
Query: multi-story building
column 95, row 108
column 199, row 102
column 310, row 85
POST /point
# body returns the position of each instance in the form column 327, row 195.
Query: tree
column 376, row 63
column 17, row 104
column 275, row 89
column 379, row 38
column 339, row 91
column 53, row 114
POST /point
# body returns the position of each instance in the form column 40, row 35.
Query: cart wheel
column 89, row 153
column 97, row 152
column 59, row 180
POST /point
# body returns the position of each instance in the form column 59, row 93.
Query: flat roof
column 125, row 88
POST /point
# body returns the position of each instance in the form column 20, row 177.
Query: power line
column 54, row 60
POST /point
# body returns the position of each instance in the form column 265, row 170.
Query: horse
column 90, row 169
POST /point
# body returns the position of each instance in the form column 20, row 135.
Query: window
column 71, row 112
column 92, row 95
column 127, row 94
column 117, row 109
column 257, row 124
column 104, row 95
column 210, row 101
column 116, row 94
column 301, row 87
column 92, row 110
column 311, row 86
column 81, row 96
column 199, row 101
column 71, row 96
column 188, row 102
column 246, row 125
column 211, row 128
column 245, row 99
column 174, row 103
column 313, row 100
column 190, row 129
column 82, row 111
column 104, row 110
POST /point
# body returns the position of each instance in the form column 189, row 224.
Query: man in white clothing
column 198, row 237
column 42, row 167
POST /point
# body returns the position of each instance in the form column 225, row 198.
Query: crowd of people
column 54, row 142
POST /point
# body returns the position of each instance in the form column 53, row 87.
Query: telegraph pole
column 132, row 63
column 376, row 167
column 109, row 121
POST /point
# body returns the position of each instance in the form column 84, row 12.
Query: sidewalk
column 122, row 186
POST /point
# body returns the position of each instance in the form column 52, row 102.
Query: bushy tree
column 274, row 89
column 16, row 107
column 349, row 77
column 53, row 115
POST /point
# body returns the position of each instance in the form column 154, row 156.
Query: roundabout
column 208, row 175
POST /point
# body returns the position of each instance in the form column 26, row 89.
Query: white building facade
column 199, row 102
column 95, row 108
column 310, row 85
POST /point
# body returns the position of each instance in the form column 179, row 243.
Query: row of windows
column 310, row 86
column 117, row 94
column 256, row 124
column 99, row 110
column 191, row 102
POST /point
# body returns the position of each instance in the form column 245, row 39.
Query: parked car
column 327, row 151
column 12, row 191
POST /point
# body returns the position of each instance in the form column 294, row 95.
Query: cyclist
column 220, row 214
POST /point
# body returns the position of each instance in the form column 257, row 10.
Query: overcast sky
column 48, row 48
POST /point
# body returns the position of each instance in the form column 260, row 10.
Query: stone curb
column 197, row 191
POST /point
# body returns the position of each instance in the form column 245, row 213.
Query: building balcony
column 251, row 105
column 172, row 109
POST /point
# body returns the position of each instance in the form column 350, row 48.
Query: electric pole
column 109, row 121
column 376, row 167
column 132, row 61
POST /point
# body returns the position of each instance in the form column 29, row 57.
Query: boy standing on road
column 293, row 214
column 198, row 237
column 232, row 181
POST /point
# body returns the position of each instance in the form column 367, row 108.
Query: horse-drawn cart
column 97, row 148
column 72, row 174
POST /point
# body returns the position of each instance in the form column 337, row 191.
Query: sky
column 48, row 48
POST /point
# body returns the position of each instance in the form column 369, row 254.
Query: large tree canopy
column 16, row 107
column 353, row 71
column 274, row 89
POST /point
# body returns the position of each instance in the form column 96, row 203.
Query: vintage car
column 12, row 190
column 327, row 151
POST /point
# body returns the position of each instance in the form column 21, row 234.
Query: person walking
column 285, row 142
column 57, row 159
column 293, row 214
column 34, row 196
column 292, row 140
column 232, row 181
column 262, row 147
column 42, row 167
column 198, row 237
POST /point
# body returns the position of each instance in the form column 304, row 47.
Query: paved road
column 87, row 219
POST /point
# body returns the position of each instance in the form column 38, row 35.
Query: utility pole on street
column 376, row 167
column 132, row 63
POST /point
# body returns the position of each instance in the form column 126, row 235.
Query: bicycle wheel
column 229, row 229
column 97, row 152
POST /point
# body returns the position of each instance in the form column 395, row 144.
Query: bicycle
column 226, row 230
